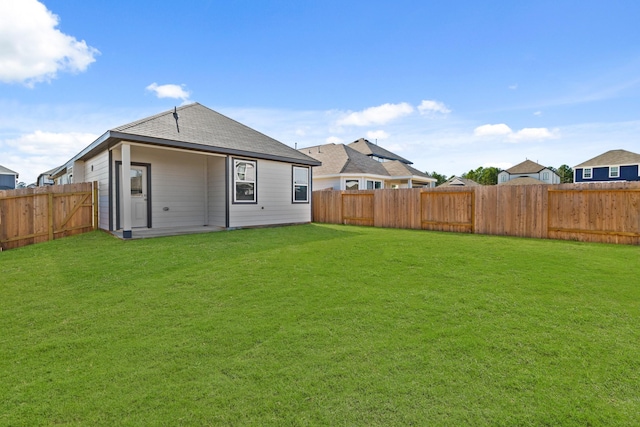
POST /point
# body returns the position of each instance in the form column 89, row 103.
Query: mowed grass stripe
column 319, row 325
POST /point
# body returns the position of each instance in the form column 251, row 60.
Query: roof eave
column 111, row 137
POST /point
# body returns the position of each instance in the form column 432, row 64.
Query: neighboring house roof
column 612, row 157
column 200, row 129
column 398, row 168
column 369, row 149
column 340, row 158
column 527, row 166
column 523, row 180
column 455, row 181
column 48, row 174
column 7, row 171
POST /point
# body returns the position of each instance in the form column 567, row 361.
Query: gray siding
column 216, row 193
column 100, row 173
column 274, row 188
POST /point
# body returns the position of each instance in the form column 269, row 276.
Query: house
column 376, row 152
column 46, row 178
column 192, row 167
column 528, row 169
column 614, row 165
column 344, row 167
column 456, row 181
column 8, row 178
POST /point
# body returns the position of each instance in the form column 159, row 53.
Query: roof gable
column 200, row 126
column 340, row 158
column 369, row 149
column 7, row 171
column 612, row 157
column 527, row 166
column 398, row 168
column 456, row 181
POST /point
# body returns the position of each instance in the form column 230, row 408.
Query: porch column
column 126, row 190
column 410, row 183
column 205, row 172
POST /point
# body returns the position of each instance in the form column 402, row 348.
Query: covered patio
column 146, row 233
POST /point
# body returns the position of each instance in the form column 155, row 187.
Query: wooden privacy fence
column 603, row 212
column 34, row 215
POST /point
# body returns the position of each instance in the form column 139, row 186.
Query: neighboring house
column 614, row 165
column 8, row 178
column 192, row 167
column 46, row 178
column 376, row 152
column 529, row 169
column 345, row 168
column 456, row 181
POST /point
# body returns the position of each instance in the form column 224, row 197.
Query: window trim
column 584, row 171
column 347, row 180
column 235, row 181
column 614, row 176
column 293, row 184
column 374, row 181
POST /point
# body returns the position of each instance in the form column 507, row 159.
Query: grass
column 319, row 325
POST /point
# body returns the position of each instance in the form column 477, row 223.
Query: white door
column 139, row 206
column 138, row 196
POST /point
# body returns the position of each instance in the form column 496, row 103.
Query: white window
column 545, row 176
column 244, row 181
column 614, row 171
column 503, row 178
column 374, row 185
column 300, row 184
column 586, row 173
column 352, row 184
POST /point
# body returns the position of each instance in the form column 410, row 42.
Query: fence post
column 95, row 205
column 50, row 197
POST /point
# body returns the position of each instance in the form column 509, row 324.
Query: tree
column 566, row 174
column 440, row 178
column 484, row 176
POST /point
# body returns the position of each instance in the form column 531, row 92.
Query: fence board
column 36, row 215
column 605, row 212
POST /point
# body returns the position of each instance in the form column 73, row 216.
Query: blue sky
column 449, row 85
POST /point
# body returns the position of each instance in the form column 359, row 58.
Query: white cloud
column 376, row 115
column 40, row 151
column 513, row 87
column 170, row 91
column 525, row 134
column 43, row 143
column 333, row 140
column 428, row 107
column 377, row 134
column 532, row 134
column 32, row 50
column 492, row 130
column 537, row 113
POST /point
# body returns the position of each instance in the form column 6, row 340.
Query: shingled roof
column 340, row 158
column 7, row 171
column 200, row 129
column 612, row 157
column 456, row 181
column 369, row 149
column 527, row 166
column 398, row 168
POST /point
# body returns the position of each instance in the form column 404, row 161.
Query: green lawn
column 319, row 325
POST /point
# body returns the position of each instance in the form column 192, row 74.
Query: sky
column 450, row 85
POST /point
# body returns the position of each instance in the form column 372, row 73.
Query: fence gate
column 40, row 214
